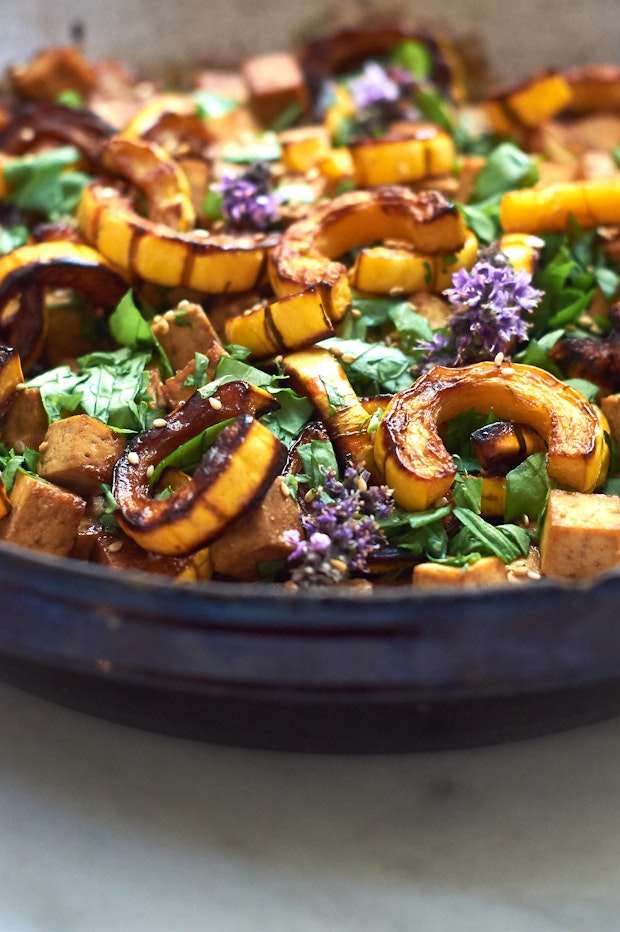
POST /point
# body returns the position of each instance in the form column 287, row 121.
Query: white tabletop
column 106, row 828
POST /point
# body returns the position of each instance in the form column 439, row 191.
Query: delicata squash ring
column 305, row 252
column 410, row 453
column 235, row 472
column 154, row 252
column 28, row 270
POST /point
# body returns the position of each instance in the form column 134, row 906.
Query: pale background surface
column 107, row 829
column 520, row 37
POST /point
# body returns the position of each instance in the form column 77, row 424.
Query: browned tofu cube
column 184, row 332
column 52, row 71
column 79, row 453
column 42, row 516
column 275, row 81
column 257, row 537
column 489, row 571
column 26, row 422
column 610, row 406
column 581, row 535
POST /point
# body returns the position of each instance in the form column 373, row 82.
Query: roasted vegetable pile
column 328, row 318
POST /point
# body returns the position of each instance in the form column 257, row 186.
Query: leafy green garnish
column 420, row 532
column 413, row 55
column 127, row 325
column 211, row 106
column 12, row 238
column 317, row 458
column 188, row 455
column 46, row 183
column 294, row 410
column 506, row 168
column 109, row 386
column 506, row 541
column 372, row 368
column 11, row 463
column 527, row 488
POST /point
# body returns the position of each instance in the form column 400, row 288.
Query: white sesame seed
column 115, row 546
column 133, row 458
column 348, row 357
column 159, row 422
column 532, row 574
column 507, row 372
column 499, row 359
column 163, row 326
column 396, row 290
column 169, row 315
column 355, row 312
column 20, row 387
column 215, row 403
column 149, row 471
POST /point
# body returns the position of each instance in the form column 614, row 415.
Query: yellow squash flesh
column 394, row 270
column 425, row 152
column 549, row 209
column 288, row 324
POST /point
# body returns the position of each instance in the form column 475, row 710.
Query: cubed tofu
column 26, row 422
column 489, row 571
column 581, row 535
column 184, row 332
column 79, row 453
column 42, row 516
column 611, row 409
column 275, row 82
column 257, row 537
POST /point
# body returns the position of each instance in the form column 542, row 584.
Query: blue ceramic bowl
column 327, row 671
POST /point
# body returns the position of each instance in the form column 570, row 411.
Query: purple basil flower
column 488, row 303
column 247, row 200
column 340, row 529
column 373, row 86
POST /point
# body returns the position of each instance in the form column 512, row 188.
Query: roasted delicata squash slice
column 288, row 324
column 522, row 250
column 5, row 503
column 395, row 270
column 151, row 252
column 504, row 444
column 303, row 147
column 26, row 272
column 306, row 251
column 158, row 175
column 171, row 121
column 317, row 374
column 415, row 463
column 550, row 209
column 235, row 472
column 423, row 151
column 529, row 103
column 11, row 376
